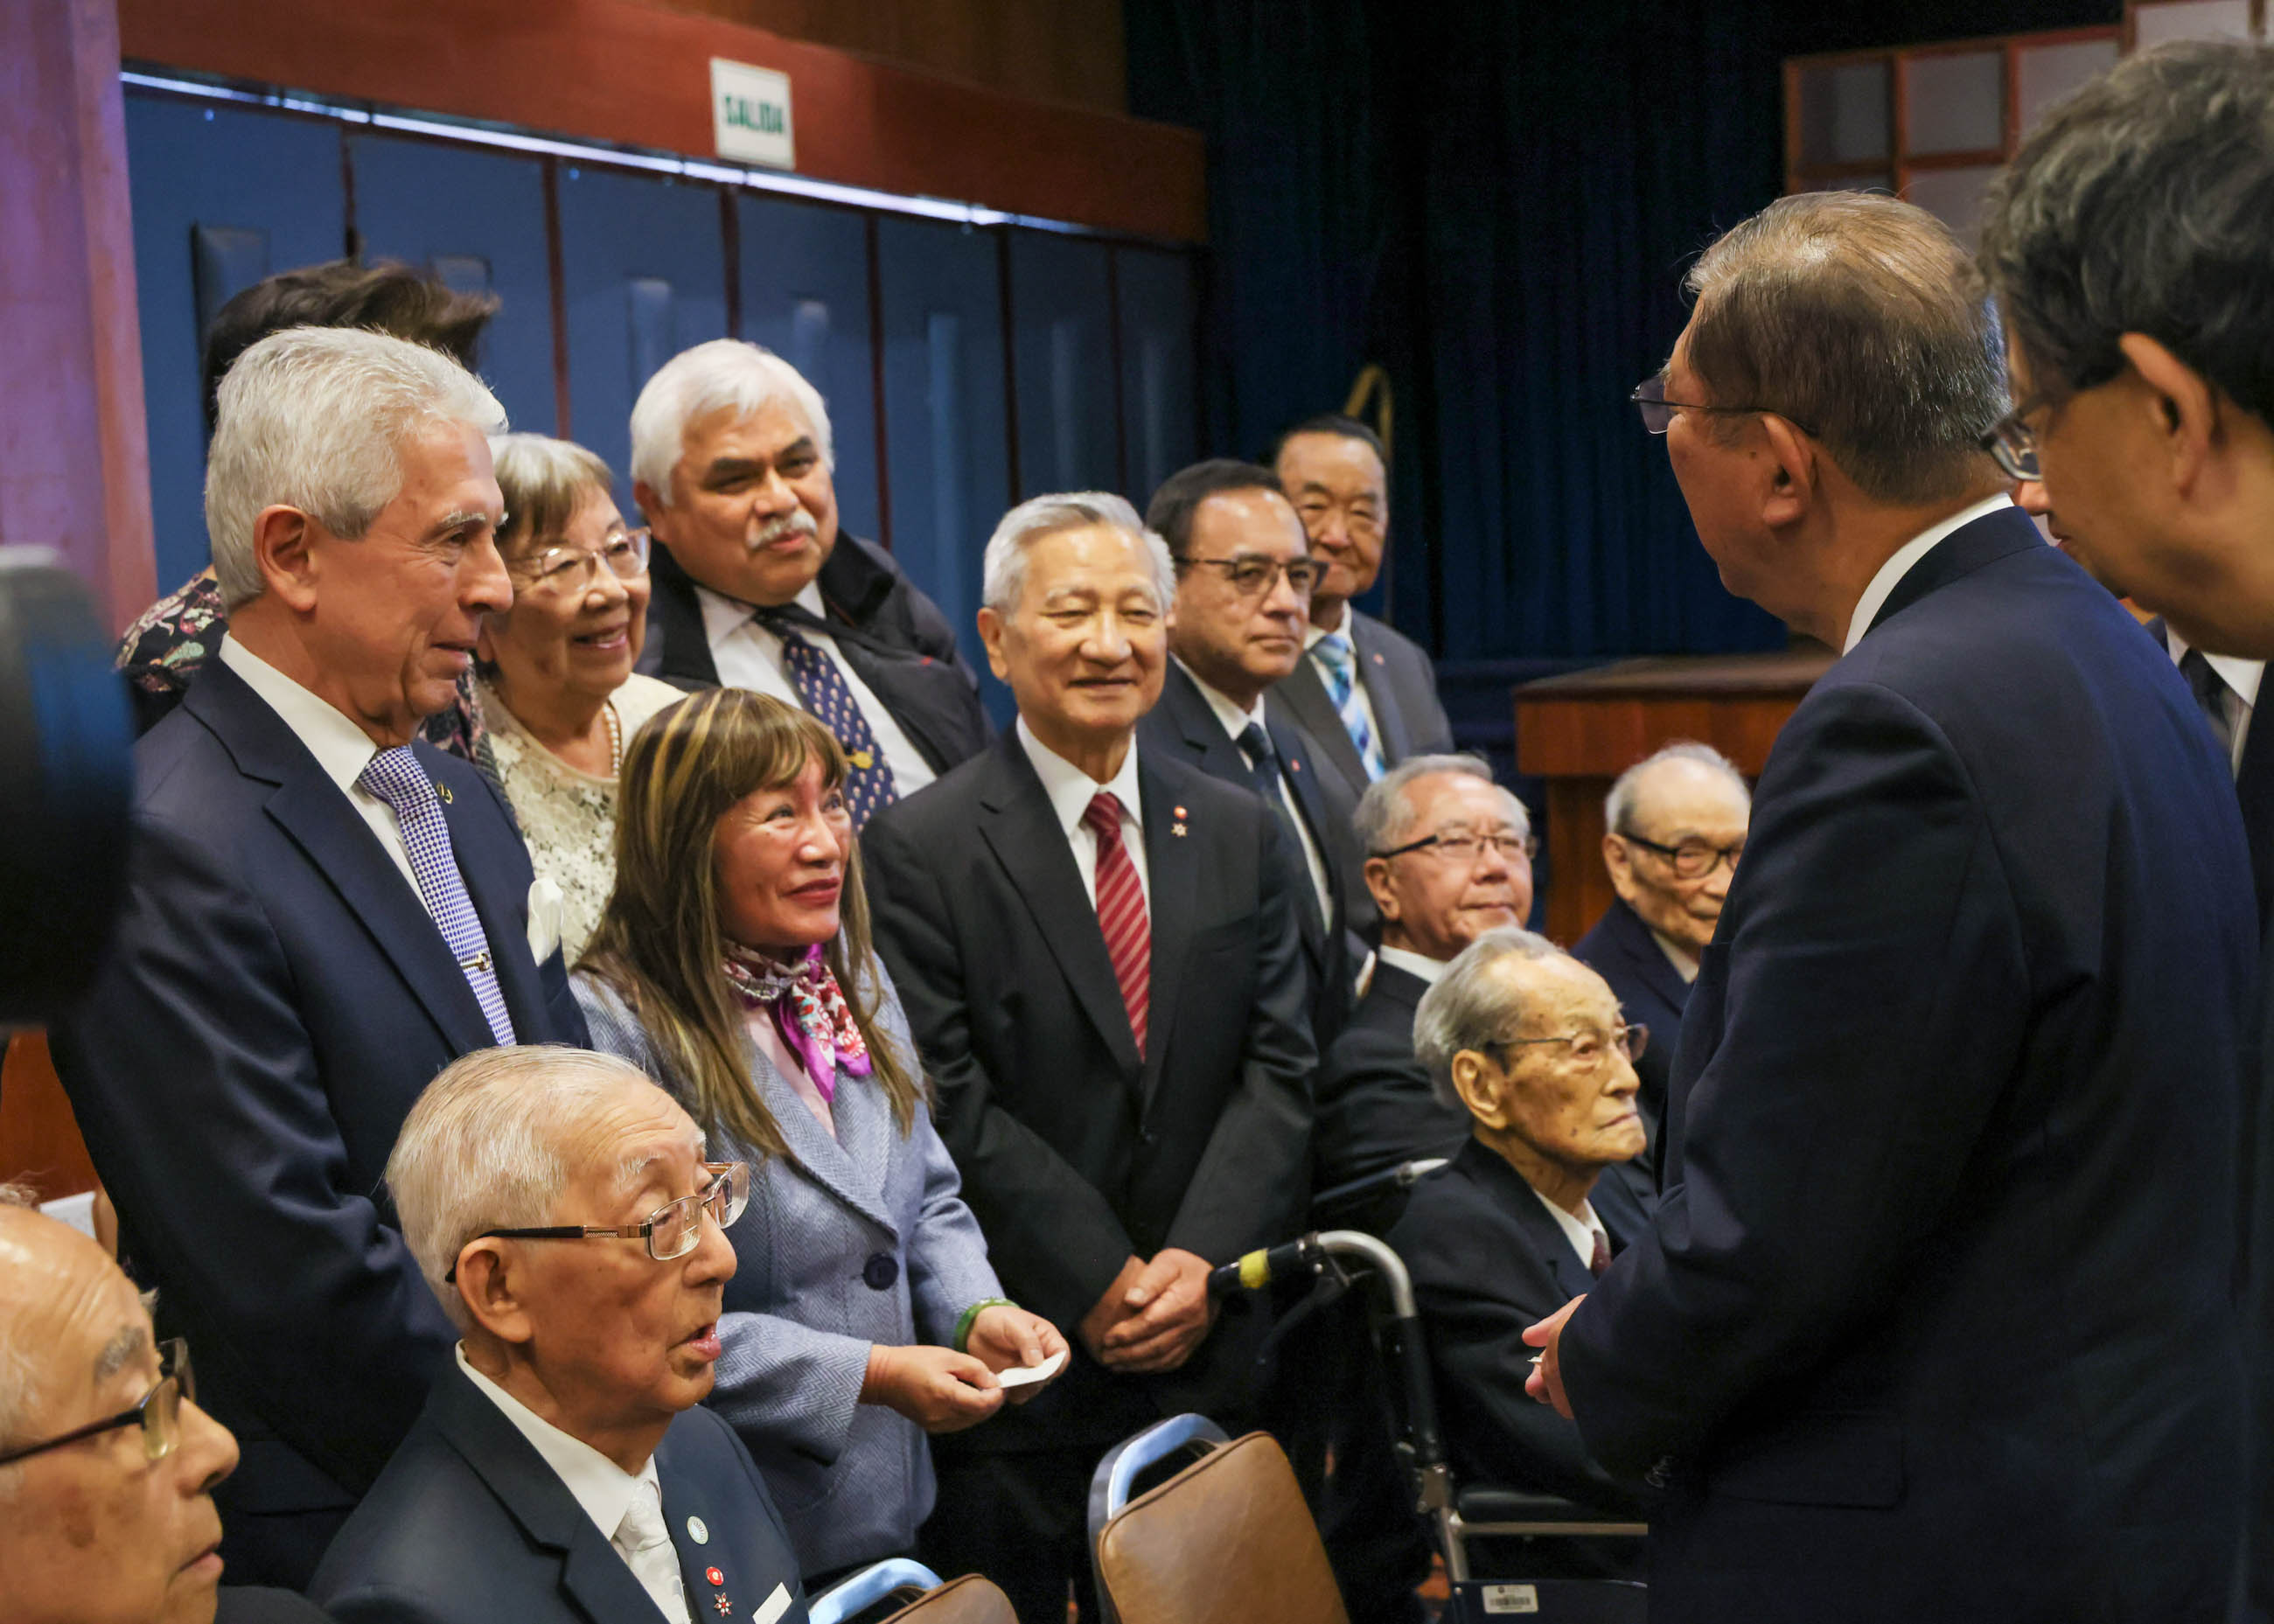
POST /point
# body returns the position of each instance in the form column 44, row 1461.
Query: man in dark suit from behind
column 1935, row 1318
column 1098, row 954
column 321, row 913
column 565, row 1469
column 754, row 585
column 1674, row 828
column 1532, row 1045
column 1244, row 579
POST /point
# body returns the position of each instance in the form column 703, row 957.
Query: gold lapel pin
column 443, row 789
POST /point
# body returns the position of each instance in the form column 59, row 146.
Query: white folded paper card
column 1022, row 1375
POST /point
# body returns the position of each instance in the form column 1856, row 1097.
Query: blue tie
column 869, row 786
column 396, row 778
column 1338, row 664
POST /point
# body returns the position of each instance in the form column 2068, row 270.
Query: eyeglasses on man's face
column 1253, row 577
column 1649, row 397
column 159, row 1414
column 1589, row 1049
column 1691, row 859
column 1466, row 846
column 565, row 568
column 2013, row 445
column 671, row 1230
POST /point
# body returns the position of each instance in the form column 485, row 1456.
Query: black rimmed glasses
column 1691, row 859
column 1649, row 397
column 671, row 1230
column 2013, row 445
column 159, row 1414
column 1589, row 1049
column 1252, row 577
column 565, row 569
column 1466, row 846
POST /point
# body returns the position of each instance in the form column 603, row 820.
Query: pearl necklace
column 615, row 738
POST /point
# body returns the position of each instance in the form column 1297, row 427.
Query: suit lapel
column 1206, row 746
column 1172, row 864
column 837, row 1163
column 1572, row 1277
column 504, row 915
column 1302, row 778
column 1022, row 831
column 2254, row 788
column 678, row 648
column 1995, row 534
column 1651, row 964
column 1305, row 694
column 1374, row 671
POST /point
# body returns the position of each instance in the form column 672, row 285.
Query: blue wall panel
column 222, row 196
column 946, row 437
column 1159, row 312
column 644, row 275
column 805, row 296
column 1062, row 344
column 476, row 219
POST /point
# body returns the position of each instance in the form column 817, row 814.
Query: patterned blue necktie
column 396, row 778
column 1338, row 664
column 869, row 786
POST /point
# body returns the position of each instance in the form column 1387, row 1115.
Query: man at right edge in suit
column 1935, row 1318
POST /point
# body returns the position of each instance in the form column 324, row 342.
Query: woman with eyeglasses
column 733, row 964
column 555, row 692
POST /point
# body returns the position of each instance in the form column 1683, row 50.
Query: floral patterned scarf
column 809, row 1010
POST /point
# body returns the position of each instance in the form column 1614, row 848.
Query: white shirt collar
column 341, row 748
column 1898, row 566
column 2241, row 675
column 1580, row 1231
column 1430, row 970
column 1070, row 789
column 724, row 616
column 603, row 1488
column 1227, row 710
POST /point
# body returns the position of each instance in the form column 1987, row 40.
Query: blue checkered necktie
column 396, row 778
column 869, row 786
column 1339, row 664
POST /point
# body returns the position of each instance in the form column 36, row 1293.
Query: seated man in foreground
column 1531, row 1042
column 558, row 1203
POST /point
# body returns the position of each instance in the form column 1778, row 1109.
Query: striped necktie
column 1338, row 664
column 1121, row 911
column 869, row 785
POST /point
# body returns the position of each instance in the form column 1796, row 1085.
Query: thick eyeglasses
column 2013, row 445
column 1649, row 397
column 1590, row 1048
column 565, row 570
column 671, row 1230
column 1461, row 845
column 159, row 1414
column 1691, row 860
column 1251, row 577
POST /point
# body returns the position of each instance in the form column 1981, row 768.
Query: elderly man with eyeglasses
column 561, row 1207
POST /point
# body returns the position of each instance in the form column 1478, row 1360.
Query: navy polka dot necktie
column 869, row 786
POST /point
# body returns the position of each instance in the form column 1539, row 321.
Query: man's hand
column 1107, row 1312
column 1546, row 1382
column 937, row 1388
column 1166, row 1313
column 1002, row 1336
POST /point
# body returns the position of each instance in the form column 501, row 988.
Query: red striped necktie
column 1121, row 911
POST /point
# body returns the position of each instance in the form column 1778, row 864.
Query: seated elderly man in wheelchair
column 1531, row 1041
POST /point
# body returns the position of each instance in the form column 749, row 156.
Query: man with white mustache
column 755, row 587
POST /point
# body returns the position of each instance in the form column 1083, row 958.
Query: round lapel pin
column 697, row 1532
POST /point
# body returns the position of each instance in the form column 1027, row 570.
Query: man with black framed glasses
column 560, row 1205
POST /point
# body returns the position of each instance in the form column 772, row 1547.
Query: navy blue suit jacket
column 275, row 1000
column 1935, row 1319
column 469, row 1525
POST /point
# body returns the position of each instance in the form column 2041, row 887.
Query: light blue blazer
column 850, row 1242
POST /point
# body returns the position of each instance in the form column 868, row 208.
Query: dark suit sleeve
column 1875, row 1005
column 1253, row 1179
column 216, row 1137
column 1048, row 1229
column 1431, row 728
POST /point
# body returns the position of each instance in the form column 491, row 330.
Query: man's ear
column 991, row 628
column 649, row 504
column 1478, row 1086
column 1619, row 863
column 1376, row 874
column 1791, row 473
column 284, row 553
column 490, row 1287
column 2183, row 406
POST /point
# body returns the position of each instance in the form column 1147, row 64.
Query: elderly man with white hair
column 756, row 587
column 323, row 912
column 1098, row 950
column 563, row 1209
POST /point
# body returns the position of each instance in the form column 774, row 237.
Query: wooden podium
column 1582, row 731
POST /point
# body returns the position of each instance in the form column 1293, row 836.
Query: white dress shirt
column 1430, row 970
column 1898, row 566
column 2241, row 677
column 1235, row 721
column 341, row 748
column 1580, row 1230
column 1070, row 790
column 1311, row 635
column 604, row 1489
column 748, row 655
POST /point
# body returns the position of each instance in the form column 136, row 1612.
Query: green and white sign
column 749, row 113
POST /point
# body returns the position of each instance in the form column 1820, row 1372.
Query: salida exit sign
column 749, row 113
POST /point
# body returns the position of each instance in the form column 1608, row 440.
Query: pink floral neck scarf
column 809, row 1010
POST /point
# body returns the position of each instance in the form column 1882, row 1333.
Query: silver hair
column 483, row 1149
column 724, row 374
column 1472, row 1008
column 1003, row 573
column 1385, row 813
column 314, row 418
column 1618, row 806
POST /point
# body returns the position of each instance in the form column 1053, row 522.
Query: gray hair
column 544, row 481
column 2141, row 204
column 726, row 373
column 1003, row 573
column 314, row 418
column 1618, row 806
column 483, row 1149
column 1386, row 814
column 1470, row 1007
column 1861, row 319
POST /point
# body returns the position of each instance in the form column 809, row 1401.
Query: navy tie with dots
column 869, row 786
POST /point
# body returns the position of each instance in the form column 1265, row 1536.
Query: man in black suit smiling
column 1098, row 953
